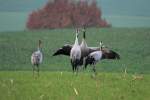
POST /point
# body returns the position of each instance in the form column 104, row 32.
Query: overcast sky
column 21, row 5
column 109, row 7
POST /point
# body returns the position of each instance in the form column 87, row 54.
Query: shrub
column 67, row 13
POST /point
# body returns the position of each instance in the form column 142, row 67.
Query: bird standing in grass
column 75, row 54
column 83, row 45
column 36, row 58
column 94, row 57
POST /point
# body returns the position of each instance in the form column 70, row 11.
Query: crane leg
column 72, row 64
column 73, row 68
column 33, row 70
column 77, row 69
column 94, row 70
column 38, row 70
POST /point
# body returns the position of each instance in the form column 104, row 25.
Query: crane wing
column 64, row 50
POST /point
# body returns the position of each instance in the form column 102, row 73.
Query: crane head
column 77, row 32
column 101, row 45
column 40, row 42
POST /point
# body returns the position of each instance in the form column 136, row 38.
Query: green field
column 62, row 86
column 132, row 45
column 17, row 82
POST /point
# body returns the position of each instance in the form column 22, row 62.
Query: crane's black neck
column 84, row 36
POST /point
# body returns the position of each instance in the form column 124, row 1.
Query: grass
column 132, row 44
column 20, row 85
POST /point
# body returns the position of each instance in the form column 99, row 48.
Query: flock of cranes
column 80, row 54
